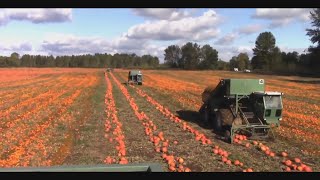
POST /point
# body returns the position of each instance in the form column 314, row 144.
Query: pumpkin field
column 73, row 116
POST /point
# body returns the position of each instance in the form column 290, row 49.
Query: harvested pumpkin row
column 198, row 135
column 160, row 142
column 113, row 121
column 291, row 164
column 8, row 96
column 40, row 97
column 11, row 132
column 21, row 148
column 29, row 144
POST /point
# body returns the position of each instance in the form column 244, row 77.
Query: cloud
column 35, row 15
column 227, row 39
column 282, row 16
column 161, row 13
column 60, row 44
column 227, row 52
column 68, row 44
column 190, row 28
column 125, row 43
column 250, row 29
column 16, row 47
column 288, row 49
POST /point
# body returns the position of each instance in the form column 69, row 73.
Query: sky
column 148, row 31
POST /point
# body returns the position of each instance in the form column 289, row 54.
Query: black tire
column 217, row 122
column 223, row 119
column 227, row 135
column 204, row 116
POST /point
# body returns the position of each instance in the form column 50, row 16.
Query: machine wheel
column 224, row 118
column 217, row 122
column 205, row 116
column 227, row 135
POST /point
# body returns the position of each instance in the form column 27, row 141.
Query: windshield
column 272, row 102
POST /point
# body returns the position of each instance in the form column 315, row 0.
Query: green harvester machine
column 134, row 77
column 242, row 106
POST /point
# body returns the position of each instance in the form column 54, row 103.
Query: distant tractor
column 109, row 70
column 135, row 77
column 241, row 106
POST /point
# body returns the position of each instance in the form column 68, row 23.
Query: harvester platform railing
column 151, row 167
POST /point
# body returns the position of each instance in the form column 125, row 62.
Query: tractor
column 134, row 77
column 241, row 106
column 109, row 70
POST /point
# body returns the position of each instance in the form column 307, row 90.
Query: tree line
column 85, row 61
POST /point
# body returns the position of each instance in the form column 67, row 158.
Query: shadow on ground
column 195, row 118
column 192, row 117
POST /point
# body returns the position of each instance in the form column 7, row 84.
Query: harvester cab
column 242, row 106
column 268, row 106
column 135, row 77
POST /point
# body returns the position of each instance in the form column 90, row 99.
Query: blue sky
column 148, row 31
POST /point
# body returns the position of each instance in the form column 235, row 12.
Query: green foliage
column 172, row 56
column 209, row 57
column 190, row 55
column 241, row 62
column 264, row 51
column 314, row 57
column 87, row 61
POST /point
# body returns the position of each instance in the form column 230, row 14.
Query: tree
column 14, row 60
column 276, row 63
column 172, row 55
column 15, row 55
column 222, row 65
column 263, row 51
column 233, row 63
column 315, row 33
column 315, row 39
column 190, row 55
column 243, row 61
column 209, row 57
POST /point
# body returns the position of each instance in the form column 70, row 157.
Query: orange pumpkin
column 284, row 154
column 236, row 162
column 297, row 160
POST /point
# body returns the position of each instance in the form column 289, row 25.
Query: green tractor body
column 242, row 106
column 135, row 77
